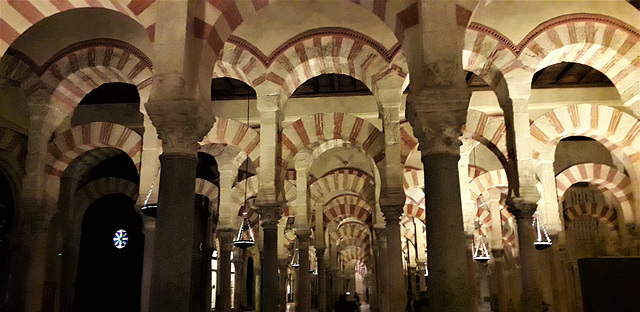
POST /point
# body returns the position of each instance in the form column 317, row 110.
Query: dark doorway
column 109, row 266
column 6, row 212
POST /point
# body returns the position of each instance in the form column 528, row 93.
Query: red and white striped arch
column 488, row 130
column 413, row 183
column 409, row 142
column 486, row 181
column 605, row 178
column 353, row 253
column 322, row 54
column 342, row 181
column 207, row 189
column 602, row 212
column 346, row 205
column 486, row 55
column 619, row 132
column 351, row 234
column 314, row 129
column 616, row 130
column 65, row 147
column 238, row 198
column 220, row 18
column 99, row 188
column 235, row 133
column 18, row 16
column 604, row 43
column 85, row 67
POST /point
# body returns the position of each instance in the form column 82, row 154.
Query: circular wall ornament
column 120, row 239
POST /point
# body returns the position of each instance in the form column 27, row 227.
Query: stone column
column 225, row 241
column 181, row 125
column 269, row 214
column 382, row 275
column 240, row 289
column 149, row 239
column 397, row 293
column 32, row 218
column 437, row 114
column 322, row 281
column 523, row 212
column 283, row 265
column 303, row 294
column 498, row 283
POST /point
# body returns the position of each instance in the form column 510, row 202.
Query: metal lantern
column 245, row 238
column 295, row 260
column 542, row 241
column 481, row 253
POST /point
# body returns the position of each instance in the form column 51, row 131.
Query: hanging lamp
column 481, row 253
column 245, row 238
column 542, row 241
column 295, row 260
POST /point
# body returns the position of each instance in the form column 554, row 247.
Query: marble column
column 303, row 295
column 437, row 114
column 225, row 242
column 523, row 212
column 270, row 213
column 322, row 281
column 180, row 125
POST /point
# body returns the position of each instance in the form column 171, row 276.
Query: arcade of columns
column 435, row 43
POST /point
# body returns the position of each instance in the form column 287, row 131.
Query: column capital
column 270, row 213
column 392, row 213
column 521, row 208
column 437, row 116
column 180, row 125
column 225, row 234
column 320, row 251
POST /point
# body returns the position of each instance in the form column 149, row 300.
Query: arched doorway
column 111, row 254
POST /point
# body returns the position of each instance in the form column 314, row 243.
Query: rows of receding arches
column 91, row 162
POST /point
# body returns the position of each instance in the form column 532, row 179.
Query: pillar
column 240, row 290
column 498, row 283
column 176, row 243
column 283, row 265
column 523, row 212
column 303, row 295
column 322, row 281
column 225, row 241
column 32, row 218
column 437, row 115
column 381, row 255
column 149, row 238
column 270, row 213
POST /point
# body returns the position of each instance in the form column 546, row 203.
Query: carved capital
column 392, row 213
column 521, row 208
column 270, row 213
column 437, row 117
column 180, row 125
